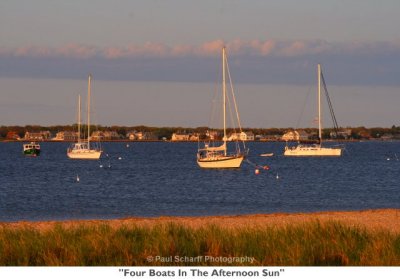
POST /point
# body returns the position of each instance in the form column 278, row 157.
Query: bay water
column 163, row 179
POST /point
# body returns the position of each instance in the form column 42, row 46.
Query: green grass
column 313, row 244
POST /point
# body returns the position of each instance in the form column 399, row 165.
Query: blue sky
column 152, row 49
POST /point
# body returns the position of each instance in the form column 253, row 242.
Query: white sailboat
column 314, row 149
column 217, row 157
column 83, row 149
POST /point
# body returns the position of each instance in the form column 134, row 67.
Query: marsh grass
column 311, row 244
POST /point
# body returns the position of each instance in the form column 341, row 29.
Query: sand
column 374, row 220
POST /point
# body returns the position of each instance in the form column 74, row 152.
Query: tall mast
column 319, row 105
column 79, row 118
column 88, row 110
column 224, row 95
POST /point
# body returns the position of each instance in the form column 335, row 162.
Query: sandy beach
column 372, row 220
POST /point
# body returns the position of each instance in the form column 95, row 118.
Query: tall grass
column 101, row 245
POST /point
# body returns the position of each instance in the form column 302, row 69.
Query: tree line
column 166, row 132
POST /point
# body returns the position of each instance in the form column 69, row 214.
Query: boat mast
column 88, row 111
column 319, row 105
column 79, row 118
column 224, row 96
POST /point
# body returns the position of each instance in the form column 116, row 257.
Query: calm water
column 153, row 179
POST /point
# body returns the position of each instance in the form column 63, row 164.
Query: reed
column 310, row 244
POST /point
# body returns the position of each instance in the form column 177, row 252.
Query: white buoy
column 388, row 159
column 277, row 176
column 127, row 145
column 77, row 178
column 119, row 158
column 101, row 166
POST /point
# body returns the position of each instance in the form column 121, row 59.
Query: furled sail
column 215, row 148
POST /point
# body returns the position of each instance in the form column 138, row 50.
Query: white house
column 42, row 135
column 244, row 136
column 66, row 135
column 135, row 135
column 295, row 135
column 180, row 137
column 212, row 135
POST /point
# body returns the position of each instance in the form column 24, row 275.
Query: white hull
column 84, row 154
column 223, row 162
column 267, row 154
column 312, row 151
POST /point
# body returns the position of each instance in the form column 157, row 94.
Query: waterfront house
column 66, row 136
column 135, row 135
column 37, row 136
column 296, row 135
column 13, row 136
column 180, row 137
column 243, row 136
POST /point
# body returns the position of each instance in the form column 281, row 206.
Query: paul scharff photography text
column 200, row 259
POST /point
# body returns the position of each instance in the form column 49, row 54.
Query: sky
column 156, row 62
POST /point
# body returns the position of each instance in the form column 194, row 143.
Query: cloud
column 33, row 51
column 181, row 50
column 75, row 51
column 264, row 48
column 210, row 48
column 260, row 61
column 70, row 50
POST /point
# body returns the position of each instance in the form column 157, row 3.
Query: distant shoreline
column 183, row 141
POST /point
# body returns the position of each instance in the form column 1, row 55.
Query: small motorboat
column 31, row 149
column 267, row 154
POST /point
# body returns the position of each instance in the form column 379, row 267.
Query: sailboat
column 84, row 149
column 315, row 149
column 217, row 157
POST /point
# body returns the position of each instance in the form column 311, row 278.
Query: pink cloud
column 133, row 50
column 33, row 51
column 77, row 51
column 71, row 50
column 113, row 52
column 212, row 48
column 181, row 50
column 295, row 48
column 264, row 48
column 236, row 46
column 156, row 49
column 149, row 49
